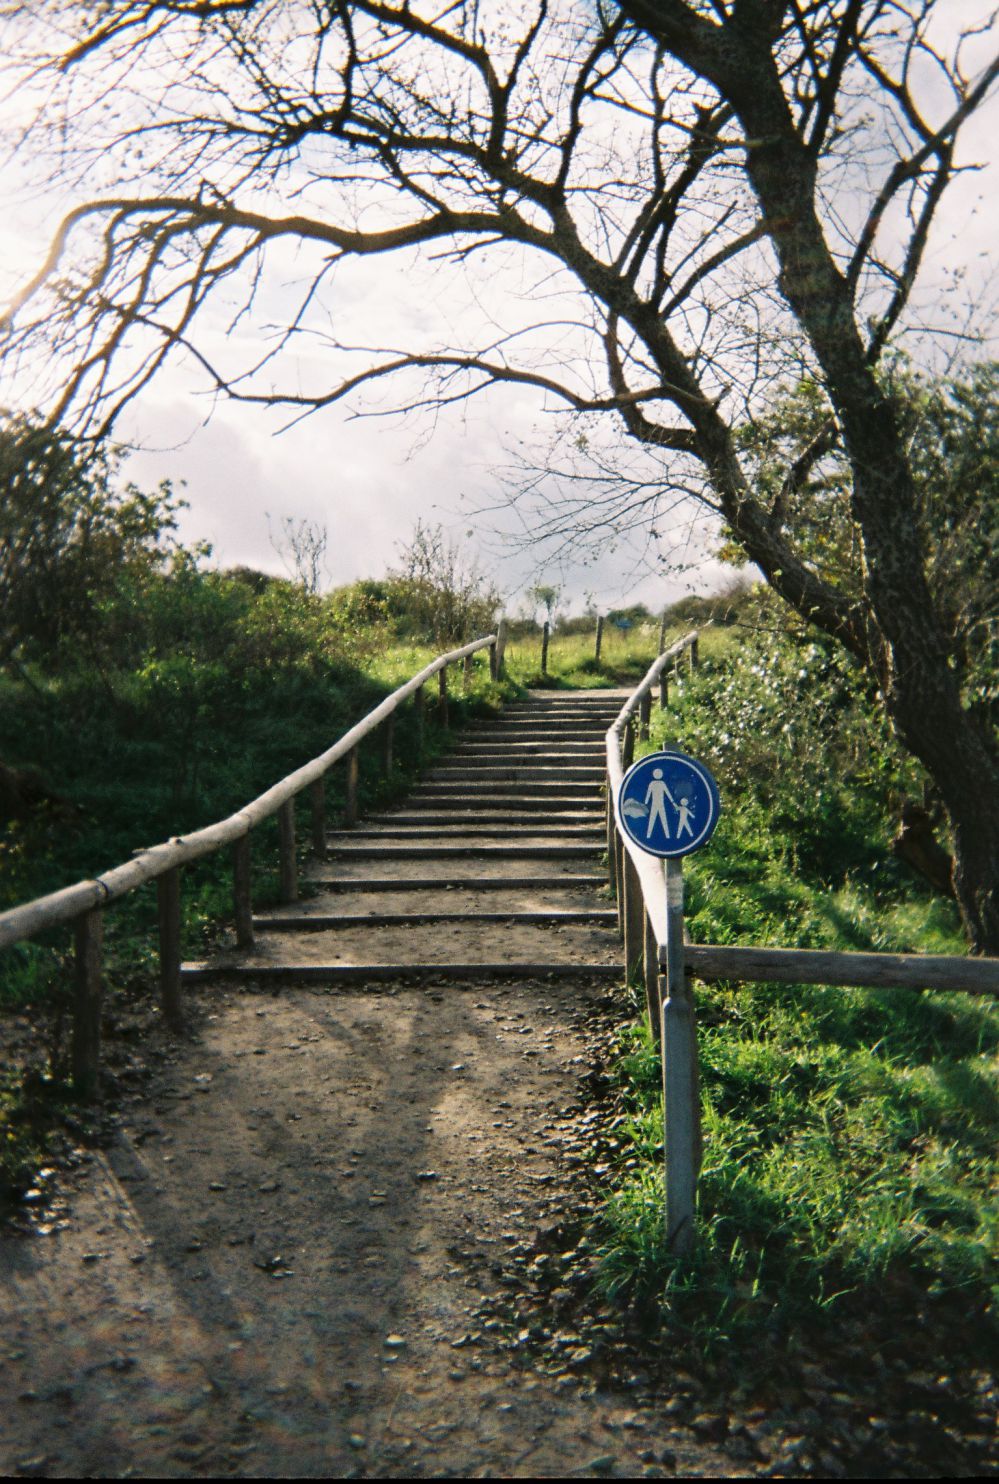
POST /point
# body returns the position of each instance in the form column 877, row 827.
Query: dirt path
column 297, row 1255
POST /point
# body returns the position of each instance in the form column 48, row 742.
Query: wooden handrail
column 29, row 918
column 648, row 868
column 709, row 961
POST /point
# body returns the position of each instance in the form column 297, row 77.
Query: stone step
column 548, row 883
column 325, row 922
column 335, row 974
column 591, row 703
column 541, row 796
column 585, row 736
column 454, row 852
column 482, row 773
column 527, row 835
column 516, row 751
column 438, row 941
column 594, row 818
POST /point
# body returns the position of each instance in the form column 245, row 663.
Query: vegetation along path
column 339, row 1231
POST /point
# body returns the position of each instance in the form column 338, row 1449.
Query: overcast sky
column 368, row 480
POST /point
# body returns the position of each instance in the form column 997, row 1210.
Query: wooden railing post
column 634, row 914
column 88, row 986
column 317, row 806
column 619, row 873
column 466, row 675
column 644, row 713
column 500, row 649
column 545, row 633
column 420, row 707
column 663, row 689
column 493, row 671
column 693, row 654
column 388, row 747
column 442, row 711
column 242, row 898
column 350, row 797
column 287, row 869
column 168, row 909
column 681, row 1115
column 628, row 745
column 600, row 639
column 611, row 841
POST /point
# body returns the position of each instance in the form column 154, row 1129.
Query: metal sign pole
column 679, row 1049
column 668, row 805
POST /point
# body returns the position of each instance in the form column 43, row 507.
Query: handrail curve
column 29, row 918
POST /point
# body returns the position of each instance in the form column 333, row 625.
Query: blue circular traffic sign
column 668, row 804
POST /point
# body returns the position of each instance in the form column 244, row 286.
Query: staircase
column 491, row 868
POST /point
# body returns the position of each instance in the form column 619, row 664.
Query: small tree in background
column 302, row 545
column 442, row 592
column 547, row 597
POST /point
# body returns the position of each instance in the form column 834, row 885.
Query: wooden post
column 619, row 872
column 679, row 1049
column 350, row 800
column 628, row 745
column 611, row 841
column 662, row 634
column 442, row 711
column 493, row 671
column 600, row 639
column 168, row 907
column 317, row 804
column 86, row 1051
column 241, row 894
column 500, row 649
column 388, row 740
column 653, row 997
column 693, row 655
column 644, row 713
column 287, row 869
column 466, row 675
column 634, row 915
column 545, row 632
column 663, row 689
column 420, row 707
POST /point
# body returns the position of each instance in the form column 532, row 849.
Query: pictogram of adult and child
column 668, row 803
column 657, row 795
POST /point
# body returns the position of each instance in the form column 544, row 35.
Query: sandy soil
column 293, row 1257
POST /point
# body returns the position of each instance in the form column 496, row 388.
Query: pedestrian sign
column 668, row 804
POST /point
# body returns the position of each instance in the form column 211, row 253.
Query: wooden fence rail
column 84, row 902
column 649, row 894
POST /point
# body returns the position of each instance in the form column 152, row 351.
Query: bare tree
column 716, row 191
column 301, row 545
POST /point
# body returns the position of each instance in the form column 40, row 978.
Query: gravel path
column 297, row 1255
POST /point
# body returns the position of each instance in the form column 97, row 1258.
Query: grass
column 625, row 656
column 845, row 1135
column 850, row 1136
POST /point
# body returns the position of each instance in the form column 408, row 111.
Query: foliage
column 69, row 538
column 849, row 1135
column 951, row 430
column 544, row 595
column 439, row 593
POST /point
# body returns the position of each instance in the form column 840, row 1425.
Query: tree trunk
column 914, row 662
